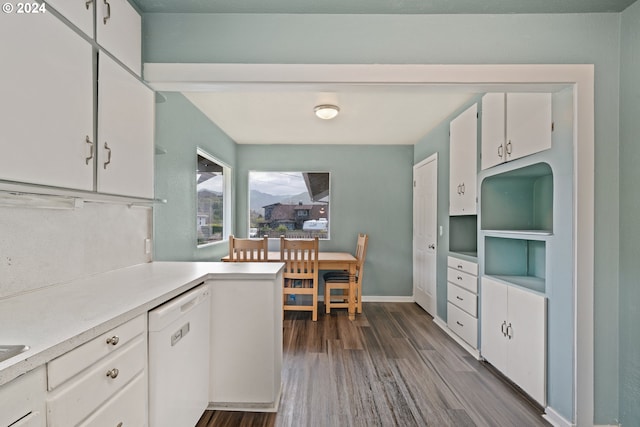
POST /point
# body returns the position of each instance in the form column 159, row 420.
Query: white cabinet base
column 246, row 344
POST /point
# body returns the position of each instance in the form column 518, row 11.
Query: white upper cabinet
column 125, row 132
column 46, row 107
column 119, row 31
column 78, row 12
column 514, row 125
column 463, row 162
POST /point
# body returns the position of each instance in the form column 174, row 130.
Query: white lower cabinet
column 23, row 400
column 513, row 330
column 462, row 305
column 112, row 387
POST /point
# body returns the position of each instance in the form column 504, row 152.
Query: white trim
column 556, row 419
column 384, row 298
column 443, row 325
column 207, row 77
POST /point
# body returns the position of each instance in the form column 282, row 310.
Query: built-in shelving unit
column 463, row 235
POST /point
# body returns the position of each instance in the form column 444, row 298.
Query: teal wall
column 629, row 223
column 180, row 130
column 371, row 188
column 448, row 39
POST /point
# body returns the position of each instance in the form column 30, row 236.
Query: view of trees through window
column 210, row 186
column 293, row 204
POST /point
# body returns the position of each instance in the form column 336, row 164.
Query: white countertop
column 54, row 320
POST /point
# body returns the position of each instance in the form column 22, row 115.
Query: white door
column 46, row 102
column 528, row 124
column 425, row 209
column 119, row 31
column 493, row 129
column 463, row 146
column 493, row 323
column 125, row 132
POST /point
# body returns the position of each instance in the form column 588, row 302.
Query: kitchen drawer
column 71, row 403
column 69, row 364
column 464, row 280
column 462, row 299
column 463, row 325
column 127, row 408
column 463, row 265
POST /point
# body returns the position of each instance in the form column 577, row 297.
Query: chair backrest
column 248, row 250
column 361, row 254
column 300, row 258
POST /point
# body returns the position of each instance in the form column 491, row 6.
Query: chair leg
column 359, row 296
column 314, row 313
column 327, row 299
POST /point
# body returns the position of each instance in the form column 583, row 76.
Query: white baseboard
column 556, row 419
column 375, row 298
column 443, row 325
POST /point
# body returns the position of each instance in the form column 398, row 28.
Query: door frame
column 485, row 77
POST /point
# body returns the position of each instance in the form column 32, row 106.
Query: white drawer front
column 71, row 403
column 127, row 408
column 465, row 326
column 463, row 299
column 66, row 366
column 464, row 280
column 463, row 265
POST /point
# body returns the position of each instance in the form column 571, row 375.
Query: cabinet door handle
column 509, row 148
column 458, row 188
column 114, row 340
column 113, row 373
column 87, row 3
column 458, row 298
column 503, row 328
column 106, row 147
column 458, row 322
column 509, row 331
column 500, row 150
column 104, row 20
column 462, row 186
column 88, row 141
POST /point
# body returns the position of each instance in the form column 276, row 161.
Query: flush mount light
column 326, row 111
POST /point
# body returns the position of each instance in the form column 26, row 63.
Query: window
column 293, row 204
column 213, row 211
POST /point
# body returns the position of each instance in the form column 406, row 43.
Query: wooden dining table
column 331, row 261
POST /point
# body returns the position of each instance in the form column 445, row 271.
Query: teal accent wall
column 371, row 188
column 451, row 39
column 629, row 222
column 180, row 130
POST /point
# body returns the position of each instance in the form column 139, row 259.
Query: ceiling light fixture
column 326, row 111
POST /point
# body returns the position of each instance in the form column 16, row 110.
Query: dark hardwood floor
column 392, row 366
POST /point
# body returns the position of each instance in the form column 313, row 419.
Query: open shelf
column 518, row 261
column 463, row 235
column 519, row 200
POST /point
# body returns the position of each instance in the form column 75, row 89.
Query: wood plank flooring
column 392, row 366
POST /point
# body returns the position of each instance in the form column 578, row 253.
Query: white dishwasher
column 179, row 359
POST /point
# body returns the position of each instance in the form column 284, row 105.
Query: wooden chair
column 339, row 280
column 300, row 273
column 248, row 250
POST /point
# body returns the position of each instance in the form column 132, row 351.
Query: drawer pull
column 461, row 299
column 113, row 373
column 120, row 424
column 460, row 266
column 459, row 278
column 458, row 322
column 113, row 340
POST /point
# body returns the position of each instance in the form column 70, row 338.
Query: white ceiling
column 369, row 114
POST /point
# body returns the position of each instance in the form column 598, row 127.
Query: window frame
column 227, row 199
column 300, row 171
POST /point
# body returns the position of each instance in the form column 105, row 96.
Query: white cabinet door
column 493, row 312
column 119, row 31
column 527, row 346
column 46, row 102
column 78, row 12
column 125, row 132
column 528, row 124
column 24, row 399
column 493, row 129
column 463, row 162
